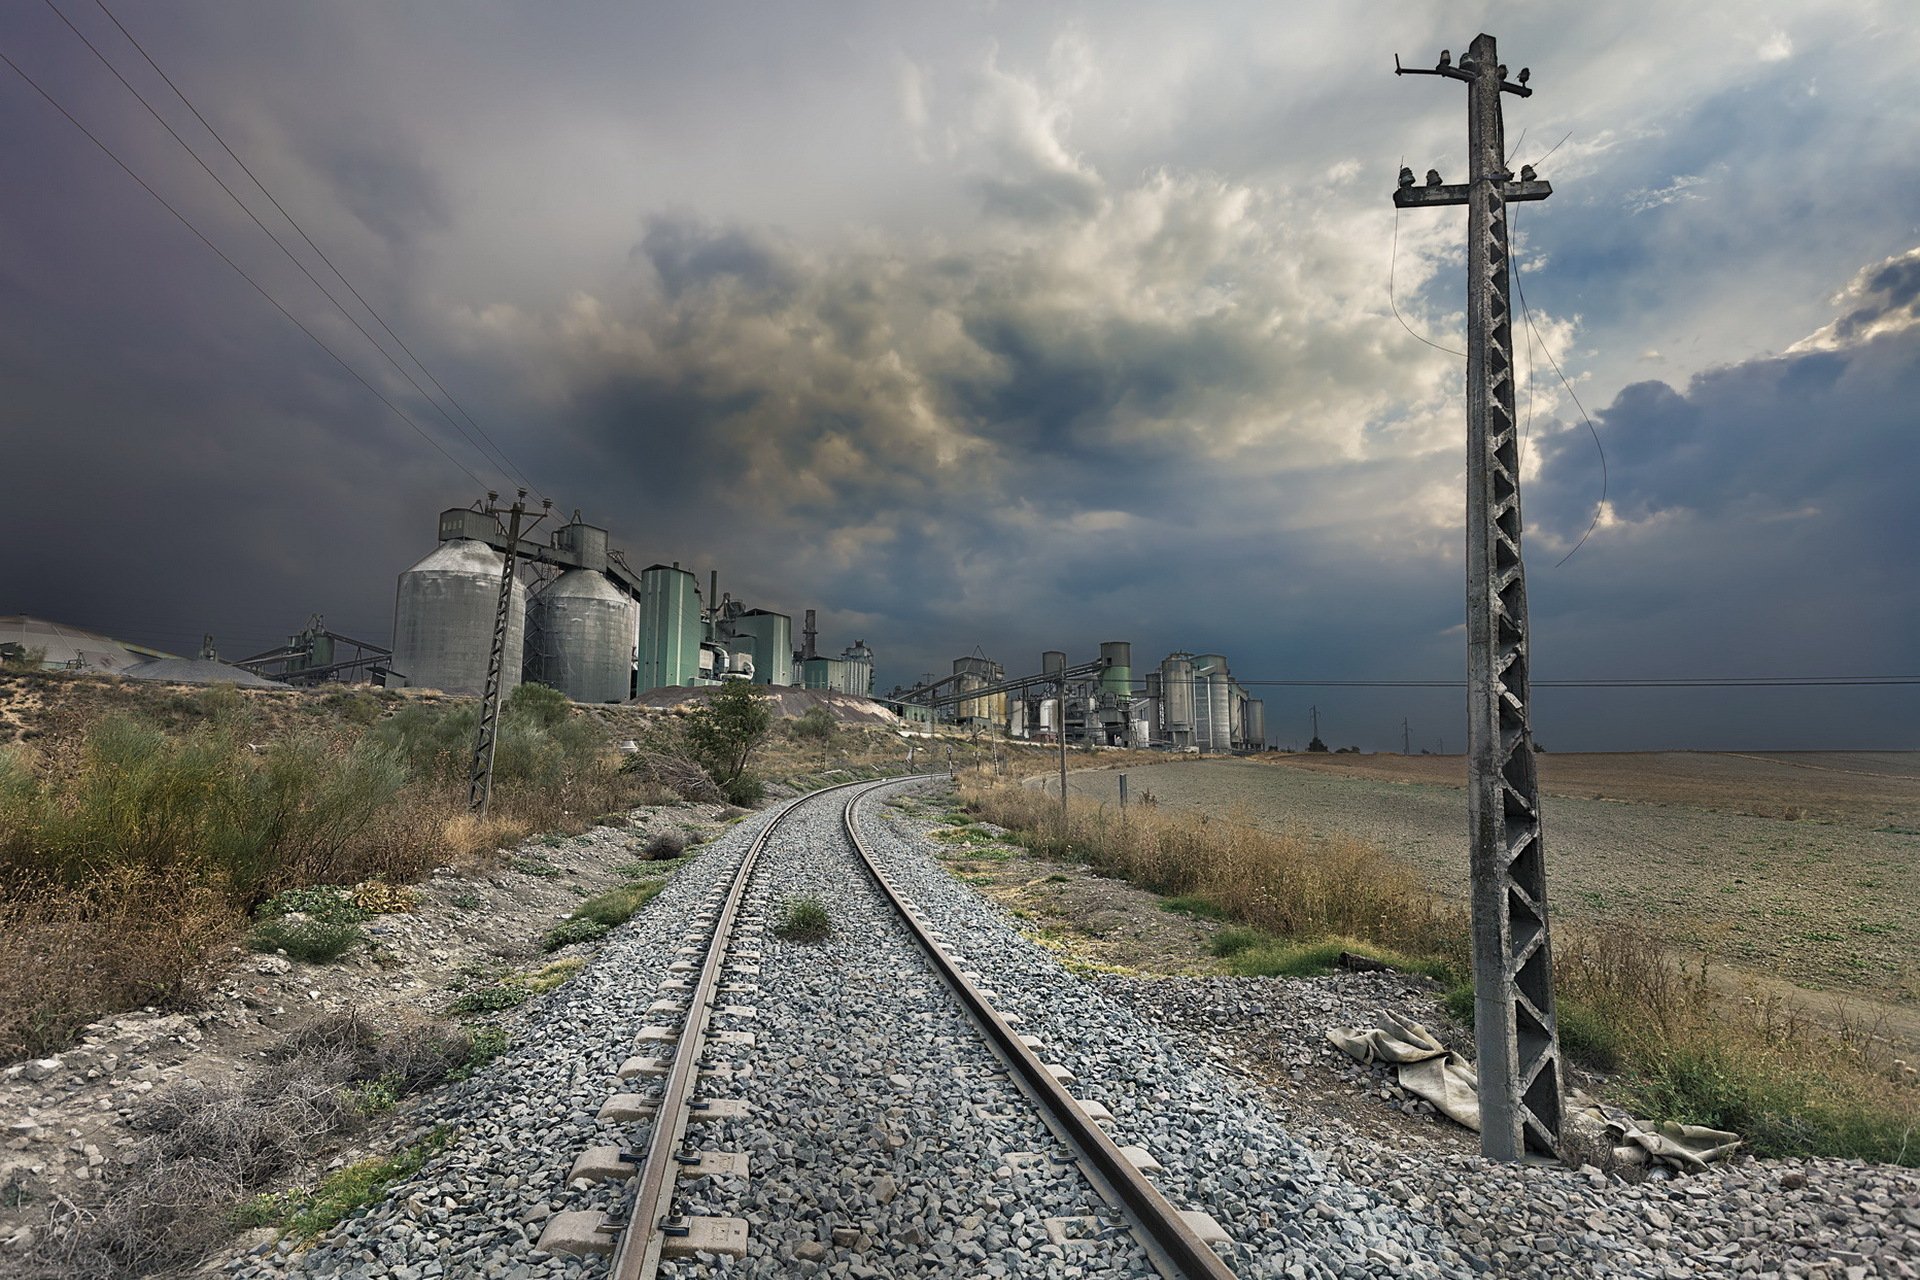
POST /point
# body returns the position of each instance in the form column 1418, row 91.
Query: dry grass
column 1624, row 1002
column 209, row 1147
column 134, row 849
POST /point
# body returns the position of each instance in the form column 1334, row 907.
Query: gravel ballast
column 885, row 1139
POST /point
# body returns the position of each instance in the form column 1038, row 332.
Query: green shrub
column 571, row 931
column 325, row 902
column 804, row 919
column 723, row 734
column 818, row 725
column 483, row 1046
column 314, row 941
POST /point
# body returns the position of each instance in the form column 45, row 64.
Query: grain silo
column 443, row 620
column 1176, row 699
column 1256, row 724
column 1220, row 718
column 586, row 630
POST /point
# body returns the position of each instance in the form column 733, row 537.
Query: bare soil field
column 1854, row 788
column 1671, row 842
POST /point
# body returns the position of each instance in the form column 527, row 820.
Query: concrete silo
column 1176, row 699
column 1116, row 677
column 443, row 620
column 586, row 630
column 1256, row 724
column 1220, row 696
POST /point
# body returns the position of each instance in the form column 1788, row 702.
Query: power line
column 1547, row 351
column 1683, row 682
column 241, row 271
column 1393, row 262
column 278, row 243
column 499, row 453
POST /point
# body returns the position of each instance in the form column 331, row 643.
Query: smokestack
column 713, row 589
column 807, row 635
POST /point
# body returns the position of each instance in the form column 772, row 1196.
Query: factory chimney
column 807, row 635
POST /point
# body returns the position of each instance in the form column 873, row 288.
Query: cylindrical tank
column 669, row 628
column 1176, row 694
column 1116, row 677
column 1051, row 661
column 443, row 620
column 585, row 625
column 1220, row 698
column 1256, row 724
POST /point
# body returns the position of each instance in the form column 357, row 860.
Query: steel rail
column 641, row 1244
column 1173, row 1247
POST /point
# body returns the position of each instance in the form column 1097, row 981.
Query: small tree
column 724, row 734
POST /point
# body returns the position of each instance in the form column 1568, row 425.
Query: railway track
column 688, row 1078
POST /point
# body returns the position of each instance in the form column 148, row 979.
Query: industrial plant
column 587, row 623
column 579, row 618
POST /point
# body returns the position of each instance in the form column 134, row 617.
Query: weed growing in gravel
column 535, row 866
column 308, row 1215
column 466, row 900
column 568, row 932
column 804, row 919
column 490, row 999
column 487, row 1043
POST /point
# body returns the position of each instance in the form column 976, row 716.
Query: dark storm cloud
column 974, row 326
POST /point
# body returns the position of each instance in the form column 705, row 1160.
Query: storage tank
column 443, row 620
column 771, row 637
column 669, row 632
column 1220, row 696
column 585, row 625
column 1256, row 724
column 1116, row 657
column 1051, row 661
column 1176, row 699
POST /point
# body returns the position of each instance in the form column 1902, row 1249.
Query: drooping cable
column 1547, row 351
column 1393, row 262
column 498, row 453
column 278, row 243
column 239, row 270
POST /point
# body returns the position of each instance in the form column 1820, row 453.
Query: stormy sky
column 1004, row 326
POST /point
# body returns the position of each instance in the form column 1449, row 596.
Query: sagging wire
column 1393, row 262
column 1534, row 332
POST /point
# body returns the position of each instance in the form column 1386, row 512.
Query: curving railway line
column 688, row 1047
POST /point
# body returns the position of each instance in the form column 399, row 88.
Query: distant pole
column 480, row 776
column 1515, row 1030
column 1062, row 726
column 1314, row 711
column 1123, row 795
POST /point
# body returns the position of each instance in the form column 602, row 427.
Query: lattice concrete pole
column 480, row 776
column 1515, row 1030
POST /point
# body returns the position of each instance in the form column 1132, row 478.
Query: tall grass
column 1685, row 1050
column 130, row 853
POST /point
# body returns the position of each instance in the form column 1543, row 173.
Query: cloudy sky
column 1002, row 326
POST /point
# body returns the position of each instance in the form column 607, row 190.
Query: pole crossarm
column 1459, row 193
column 1516, row 1033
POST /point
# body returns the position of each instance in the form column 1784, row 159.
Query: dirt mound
column 788, row 703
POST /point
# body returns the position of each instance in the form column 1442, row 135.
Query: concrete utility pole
column 1062, row 726
column 480, row 777
column 1515, row 1031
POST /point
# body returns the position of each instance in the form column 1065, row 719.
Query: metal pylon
column 1515, row 1031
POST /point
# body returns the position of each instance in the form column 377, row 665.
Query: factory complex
column 579, row 618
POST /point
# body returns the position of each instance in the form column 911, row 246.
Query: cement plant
column 585, row 622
